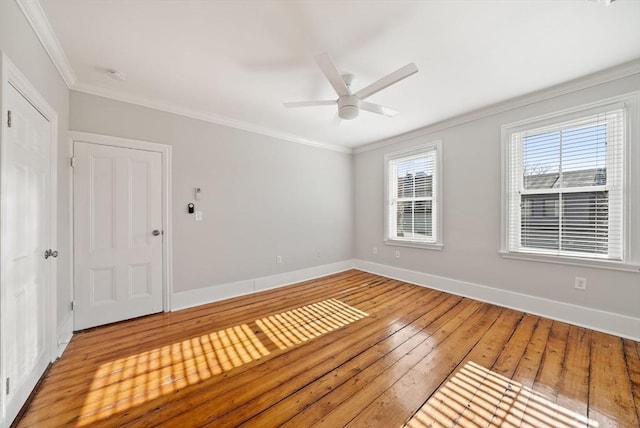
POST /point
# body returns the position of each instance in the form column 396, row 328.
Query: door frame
column 10, row 74
column 167, row 247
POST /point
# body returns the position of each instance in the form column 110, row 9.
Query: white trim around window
column 413, row 197
column 545, row 164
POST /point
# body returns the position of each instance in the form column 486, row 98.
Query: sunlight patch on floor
column 477, row 397
column 296, row 326
column 124, row 383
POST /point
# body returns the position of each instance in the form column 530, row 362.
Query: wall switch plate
column 198, row 215
column 278, row 259
column 580, row 283
column 397, row 254
column 375, row 250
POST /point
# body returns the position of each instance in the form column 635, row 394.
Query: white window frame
column 390, row 189
column 629, row 257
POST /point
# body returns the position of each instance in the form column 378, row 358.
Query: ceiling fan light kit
column 348, row 107
column 350, row 104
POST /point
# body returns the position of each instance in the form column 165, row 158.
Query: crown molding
column 624, row 70
column 41, row 26
column 206, row 117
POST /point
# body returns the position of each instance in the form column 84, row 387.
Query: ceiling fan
column 350, row 104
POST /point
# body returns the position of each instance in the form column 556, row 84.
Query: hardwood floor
column 350, row 349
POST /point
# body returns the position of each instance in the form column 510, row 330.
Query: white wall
column 472, row 185
column 262, row 196
column 20, row 44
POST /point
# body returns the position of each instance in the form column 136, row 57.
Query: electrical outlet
column 397, row 254
column 278, row 259
column 580, row 283
column 375, row 250
column 198, row 215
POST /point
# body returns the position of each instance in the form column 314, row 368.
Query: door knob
column 155, row 232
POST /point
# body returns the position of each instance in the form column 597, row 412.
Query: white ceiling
column 236, row 62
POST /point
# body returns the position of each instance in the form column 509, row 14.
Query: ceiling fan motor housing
column 348, row 107
column 349, row 104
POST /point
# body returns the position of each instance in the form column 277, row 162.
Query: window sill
column 573, row 261
column 423, row 245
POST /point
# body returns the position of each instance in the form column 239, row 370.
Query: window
column 565, row 182
column 412, row 214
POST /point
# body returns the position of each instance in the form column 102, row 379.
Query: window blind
column 411, row 197
column 566, row 187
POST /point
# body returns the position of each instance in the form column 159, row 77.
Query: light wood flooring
column 351, row 349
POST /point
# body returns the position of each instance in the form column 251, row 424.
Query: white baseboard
column 288, row 278
column 201, row 296
column 607, row 322
column 65, row 332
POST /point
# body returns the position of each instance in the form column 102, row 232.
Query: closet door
column 26, row 256
column 118, row 235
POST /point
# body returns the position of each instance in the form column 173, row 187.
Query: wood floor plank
column 495, row 379
column 632, row 357
column 512, row 408
column 352, row 348
column 460, row 398
column 164, row 349
column 401, row 342
column 425, row 377
column 67, row 377
column 179, row 385
column 552, row 375
column 201, row 390
column 452, row 331
column 573, row 385
column 363, row 335
column 610, row 397
column 368, row 381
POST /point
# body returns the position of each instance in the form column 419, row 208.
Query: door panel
column 102, row 285
column 102, row 174
column 118, row 260
column 140, row 280
column 26, row 234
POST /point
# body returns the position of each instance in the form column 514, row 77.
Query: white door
column 117, row 233
column 26, row 233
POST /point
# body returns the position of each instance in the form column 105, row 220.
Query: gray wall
column 472, row 182
column 262, row 196
column 20, row 44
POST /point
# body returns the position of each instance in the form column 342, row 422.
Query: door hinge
column 73, row 161
column 7, row 387
column 73, row 304
column 9, row 119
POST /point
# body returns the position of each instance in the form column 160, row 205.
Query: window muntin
column 565, row 187
column 411, row 214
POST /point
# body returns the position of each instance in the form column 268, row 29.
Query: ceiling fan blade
column 331, row 73
column 387, row 81
column 376, row 108
column 310, row 103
